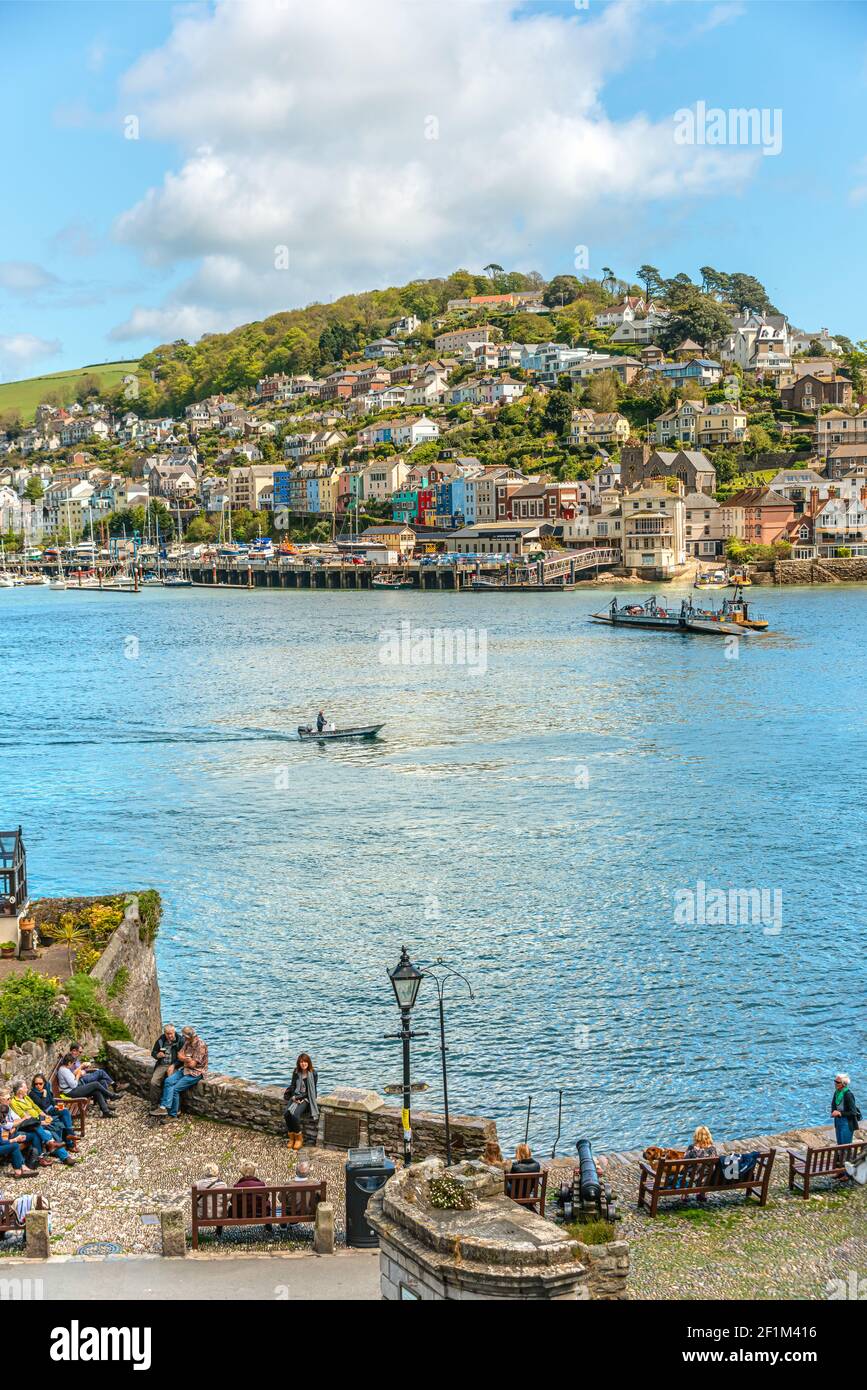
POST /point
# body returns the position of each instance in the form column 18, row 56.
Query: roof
column 849, row 451
column 757, row 497
column 700, row 499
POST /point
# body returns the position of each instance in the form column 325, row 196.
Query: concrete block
column 36, row 1234
column 323, row 1231
column 173, row 1229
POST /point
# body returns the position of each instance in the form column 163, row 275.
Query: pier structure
column 558, row 571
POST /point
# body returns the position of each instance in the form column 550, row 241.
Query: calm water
column 292, row 874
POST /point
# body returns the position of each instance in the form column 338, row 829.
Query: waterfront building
column 515, row 538
column 247, row 485
column 395, row 538
column 654, row 528
column 703, row 527
column 757, row 515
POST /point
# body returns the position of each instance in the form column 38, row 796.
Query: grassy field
column 25, row 396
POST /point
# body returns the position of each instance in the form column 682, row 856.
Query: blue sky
column 287, row 153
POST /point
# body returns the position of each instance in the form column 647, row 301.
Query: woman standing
column 844, row 1111
column 300, row 1098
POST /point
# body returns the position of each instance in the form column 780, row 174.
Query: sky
column 177, row 169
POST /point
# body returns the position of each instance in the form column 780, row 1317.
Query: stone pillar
column 36, row 1234
column 492, row 1250
column 344, row 1118
column 323, row 1231
column 173, row 1229
column 607, row 1269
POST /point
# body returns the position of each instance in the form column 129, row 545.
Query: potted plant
column 7, row 949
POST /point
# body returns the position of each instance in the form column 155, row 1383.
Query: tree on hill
column 87, row 387
column 602, row 392
column 33, row 489
column 561, row 290
column 557, row 415
column 651, row 279
column 696, row 317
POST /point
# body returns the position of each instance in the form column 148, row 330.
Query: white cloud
column 25, row 277
column 307, row 127
column 19, row 350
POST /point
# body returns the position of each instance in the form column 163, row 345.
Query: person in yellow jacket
column 50, row 1130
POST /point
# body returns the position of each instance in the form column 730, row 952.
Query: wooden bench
column 822, row 1163
column 686, row 1177
column 286, row 1204
column 9, row 1217
column 76, row 1105
column 527, row 1189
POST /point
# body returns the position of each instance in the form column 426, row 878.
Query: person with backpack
column 844, row 1110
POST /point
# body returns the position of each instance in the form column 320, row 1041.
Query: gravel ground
column 723, row 1249
column 133, row 1166
column 726, row 1248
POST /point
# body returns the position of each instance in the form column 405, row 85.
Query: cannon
column 587, row 1197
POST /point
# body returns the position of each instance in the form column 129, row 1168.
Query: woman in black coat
column 300, row 1098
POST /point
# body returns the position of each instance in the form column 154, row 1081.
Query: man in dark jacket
column 165, row 1055
column 844, row 1110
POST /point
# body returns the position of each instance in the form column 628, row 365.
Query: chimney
column 814, row 501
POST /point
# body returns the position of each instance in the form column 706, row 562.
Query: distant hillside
column 58, row 387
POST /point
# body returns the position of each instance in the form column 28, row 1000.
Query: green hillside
column 25, row 396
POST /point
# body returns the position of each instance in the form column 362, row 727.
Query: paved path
column 353, row 1276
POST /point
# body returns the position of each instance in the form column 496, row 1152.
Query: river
column 538, row 818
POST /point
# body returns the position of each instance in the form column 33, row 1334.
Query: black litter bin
column 367, row 1170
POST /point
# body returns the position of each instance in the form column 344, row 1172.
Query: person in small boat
column 300, row 1099
column 320, row 722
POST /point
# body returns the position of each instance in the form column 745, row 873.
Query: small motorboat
column 384, row 580
column 308, row 733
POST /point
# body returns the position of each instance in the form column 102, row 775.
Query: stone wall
column 39, row 1056
column 138, row 1001
column 494, row 1250
column 820, row 571
column 607, row 1269
column 347, row 1116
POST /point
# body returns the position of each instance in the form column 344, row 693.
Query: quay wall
column 348, row 1116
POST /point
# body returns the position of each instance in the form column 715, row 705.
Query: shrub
column 86, row 1011
column 118, row 984
column 446, row 1194
column 30, row 1008
column 150, row 908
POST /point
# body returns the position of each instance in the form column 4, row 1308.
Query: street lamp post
column 405, row 981
column 441, row 980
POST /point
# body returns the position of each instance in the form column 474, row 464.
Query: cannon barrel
column 588, row 1182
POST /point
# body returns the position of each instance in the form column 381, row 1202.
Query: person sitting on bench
column 72, row 1087
column 42, row 1094
column 524, row 1162
column 90, row 1072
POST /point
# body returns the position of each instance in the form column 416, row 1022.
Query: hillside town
column 453, row 434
